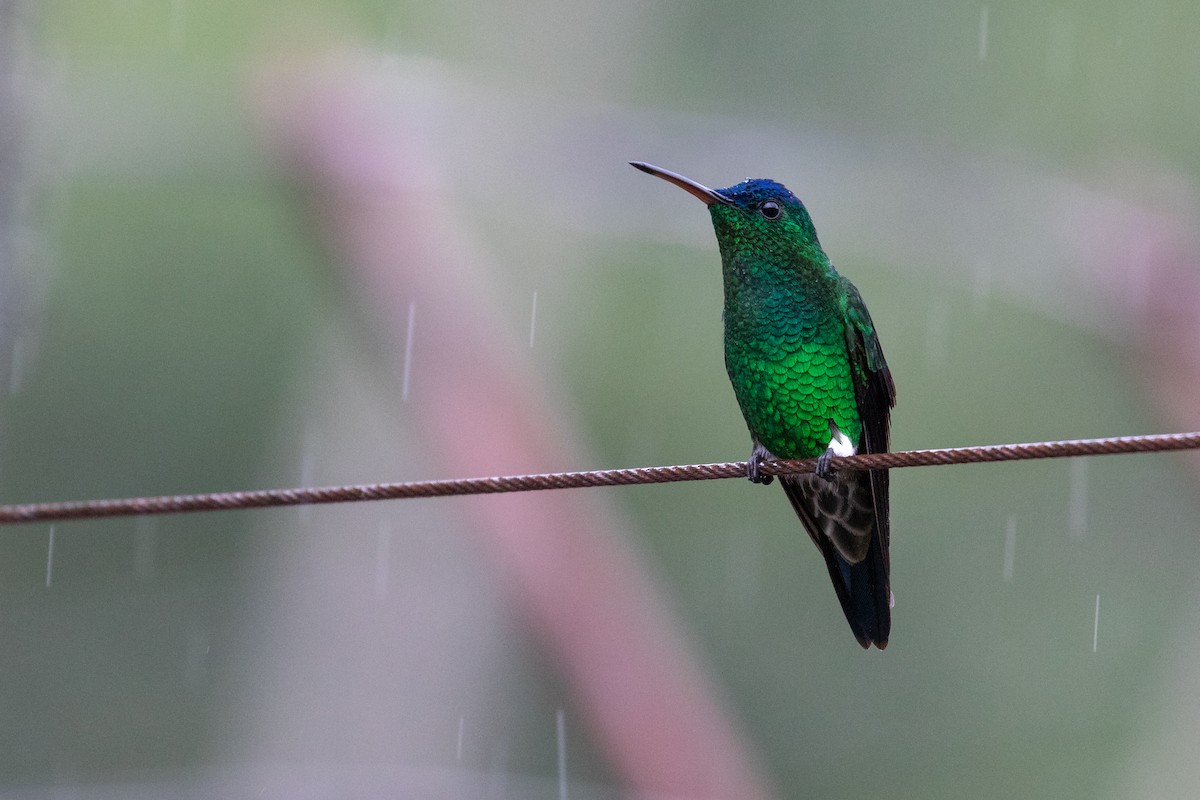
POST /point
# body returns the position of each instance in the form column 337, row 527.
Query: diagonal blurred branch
column 388, row 216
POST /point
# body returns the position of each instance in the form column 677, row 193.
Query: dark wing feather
column 876, row 395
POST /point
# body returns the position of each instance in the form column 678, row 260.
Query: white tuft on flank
column 841, row 445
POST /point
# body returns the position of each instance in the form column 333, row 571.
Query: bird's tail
column 847, row 518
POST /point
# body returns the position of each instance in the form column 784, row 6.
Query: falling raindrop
column 1096, row 625
column 1010, row 548
column 458, row 749
column 1078, row 499
column 383, row 561
column 533, row 318
column 198, row 648
column 560, row 721
column 408, row 348
column 50, row 558
column 983, row 32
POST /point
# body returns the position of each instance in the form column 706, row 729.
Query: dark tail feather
column 863, row 591
column 863, row 587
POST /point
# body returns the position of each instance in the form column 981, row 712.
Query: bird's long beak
column 700, row 191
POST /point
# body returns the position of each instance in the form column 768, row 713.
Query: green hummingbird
column 809, row 374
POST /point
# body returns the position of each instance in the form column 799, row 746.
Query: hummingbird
column 806, row 366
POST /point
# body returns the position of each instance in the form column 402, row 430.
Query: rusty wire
column 264, row 498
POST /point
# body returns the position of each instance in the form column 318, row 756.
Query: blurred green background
column 977, row 169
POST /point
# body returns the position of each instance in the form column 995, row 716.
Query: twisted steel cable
column 264, row 498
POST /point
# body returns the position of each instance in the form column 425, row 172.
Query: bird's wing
column 876, row 395
column 872, row 379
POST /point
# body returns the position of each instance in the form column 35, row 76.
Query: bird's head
column 755, row 213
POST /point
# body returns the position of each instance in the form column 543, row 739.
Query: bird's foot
column 825, row 470
column 754, row 465
column 839, row 445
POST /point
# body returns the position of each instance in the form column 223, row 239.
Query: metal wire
column 217, row 501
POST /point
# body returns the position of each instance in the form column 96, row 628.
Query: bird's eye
column 770, row 209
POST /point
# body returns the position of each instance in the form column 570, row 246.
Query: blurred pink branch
column 385, row 214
